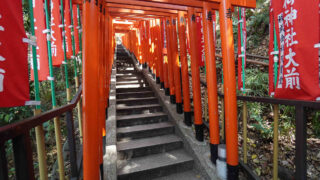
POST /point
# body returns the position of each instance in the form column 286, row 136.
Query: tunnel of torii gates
column 141, row 24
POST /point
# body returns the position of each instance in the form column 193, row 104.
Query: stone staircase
column 147, row 145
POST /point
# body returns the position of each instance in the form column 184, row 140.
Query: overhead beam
column 131, row 11
column 187, row 3
column 148, row 4
column 121, row 31
column 199, row 4
column 138, row 16
column 115, row 5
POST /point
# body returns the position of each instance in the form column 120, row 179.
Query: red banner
column 76, row 27
column 56, row 35
column 200, row 41
column 14, row 79
column 41, row 34
column 164, row 35
column 67, row 20
column 242, row 45
column 297, row 32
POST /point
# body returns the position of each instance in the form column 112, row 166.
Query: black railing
column 19, row 133
column 300, row 122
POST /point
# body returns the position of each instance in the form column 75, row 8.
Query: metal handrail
column 12, row 130
column 19, row 133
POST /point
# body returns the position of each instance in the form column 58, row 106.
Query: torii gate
column 164, row 7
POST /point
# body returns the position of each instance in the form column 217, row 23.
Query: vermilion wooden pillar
column 176, row 64
column 101, row 102
column 109, row 54
column 158, row 51
column 105, row 60
column 165, row 61
column 184, row 68
column 195, row 74
column 211, row 80
column 148, row 44
column 230, row 98
column 152, row 54
column 160, row 54
column 170, row 60
column 90, row 64
column 144, row 44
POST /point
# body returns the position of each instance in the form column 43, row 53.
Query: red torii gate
column 92, row 11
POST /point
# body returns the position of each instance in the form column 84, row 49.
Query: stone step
column 146, row 146
column 139, row 119
column 187, row 175
column 126, row 68
column 119, row 76
column 132, row 85
column 137, row 82
column 154, row 166
column 137, row 101
column 130, row 80
column 139, row 109
column 133, row 89
column 126, row 71
column 146, row 130
column 140, row 94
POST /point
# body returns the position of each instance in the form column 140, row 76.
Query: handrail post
column 23, row 157
column 301, row 144
column 79, row 111
column 275, row 140
column 72, row 144
column 3, row 162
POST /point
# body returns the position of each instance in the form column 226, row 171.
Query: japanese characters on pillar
column 187, row 37
column 214, row 24
column 242, row 45
column 200, row 42
column 68, row 27
column 14, row 80
column 164, row 37
column 41, row 35
column 56, row 36
column 298, row 36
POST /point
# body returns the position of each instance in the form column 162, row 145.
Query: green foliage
column 10, row 115
column 256, row 82
column 258, row 23
column 256, row 112
column 316, row 123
